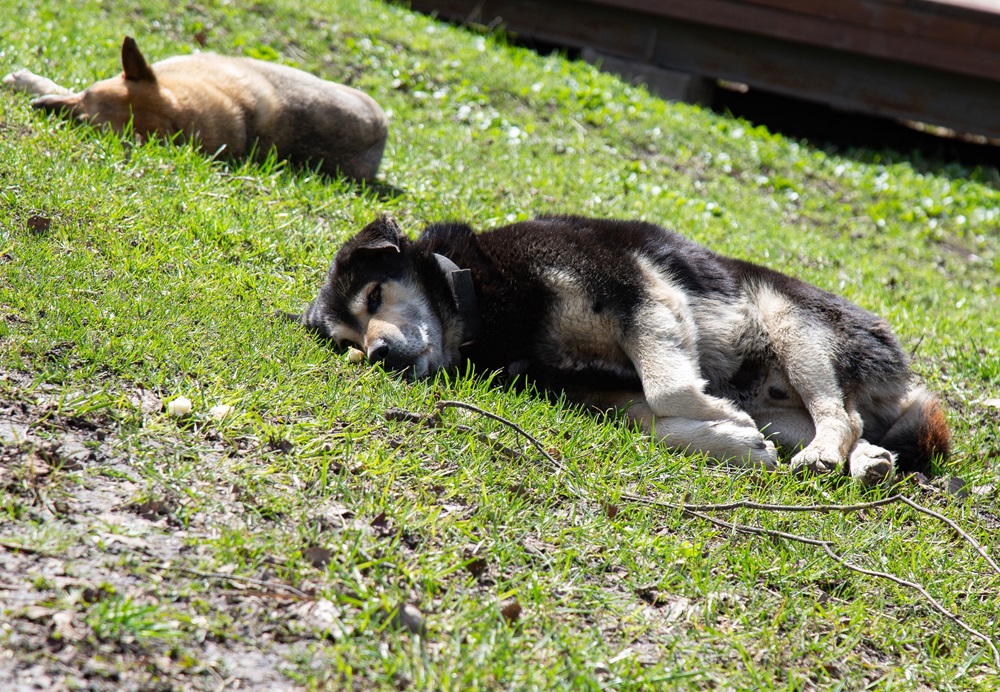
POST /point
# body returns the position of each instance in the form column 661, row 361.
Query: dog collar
column 463, row 291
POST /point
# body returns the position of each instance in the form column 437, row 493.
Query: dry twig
column 822, row 509
column 19, row 548
column 272, row 585
column 828, row 547
column 434, row 421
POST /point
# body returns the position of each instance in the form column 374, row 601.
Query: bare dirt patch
column 91, row 560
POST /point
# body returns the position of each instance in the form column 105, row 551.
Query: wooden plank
column 560, row 22
column 978, row 54
column 930, row 20
column 849, row 82
column 831, row 75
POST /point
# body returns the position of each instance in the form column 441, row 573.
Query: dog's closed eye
column 375, row 299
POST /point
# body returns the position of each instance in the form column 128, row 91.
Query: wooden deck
column 930, row 61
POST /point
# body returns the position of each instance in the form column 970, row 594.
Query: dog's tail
column 920, row 434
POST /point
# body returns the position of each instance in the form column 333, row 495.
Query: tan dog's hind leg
column 31, row 83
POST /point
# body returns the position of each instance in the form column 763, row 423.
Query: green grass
column 161, row 271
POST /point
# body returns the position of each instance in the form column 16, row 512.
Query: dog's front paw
column 816, row 460
column 871, row 465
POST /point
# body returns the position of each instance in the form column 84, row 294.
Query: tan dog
column 229, row 106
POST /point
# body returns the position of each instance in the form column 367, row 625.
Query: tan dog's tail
column 920, row 434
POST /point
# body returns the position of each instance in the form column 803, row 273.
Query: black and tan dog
column 704, row 351
column 230, row 106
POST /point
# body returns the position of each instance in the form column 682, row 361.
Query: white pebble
column 355, row 356
column 221, row 411
column 181, row 406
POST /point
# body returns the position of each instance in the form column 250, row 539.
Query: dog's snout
column 389, row 357
column 379, row 351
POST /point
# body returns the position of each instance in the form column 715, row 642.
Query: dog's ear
column 135, row 65
column 312, row 318
column 381, row 234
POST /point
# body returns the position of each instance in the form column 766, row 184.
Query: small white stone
column 181, row 406
column 221, row 411
column 355, row 356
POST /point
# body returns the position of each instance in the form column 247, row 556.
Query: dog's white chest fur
column 582, row 334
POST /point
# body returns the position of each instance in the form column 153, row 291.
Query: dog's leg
column 804, row 348
column 837, row 424
column 31, row 83
column 722, row 439
column 676, row 407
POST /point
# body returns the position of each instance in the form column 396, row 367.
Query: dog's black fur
column 515, row 299
column 757, row 332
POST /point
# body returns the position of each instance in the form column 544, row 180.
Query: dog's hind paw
column 870, row 464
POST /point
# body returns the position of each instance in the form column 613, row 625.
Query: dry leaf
column 317, row 556
column 511, row 611
column 408, row 616
column 283, row 446
column 533, row 546
column 477, row 565
column 63, row 628
column 957, row 487
column 39, row 225
column 38, row 466
column 381, row 525
column 153, row 510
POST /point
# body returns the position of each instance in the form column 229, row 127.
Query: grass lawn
column 278, row 546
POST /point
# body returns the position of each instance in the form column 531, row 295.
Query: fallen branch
column 434, row 421
column 822, row 509
column 441, row 405
column 700, row 512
